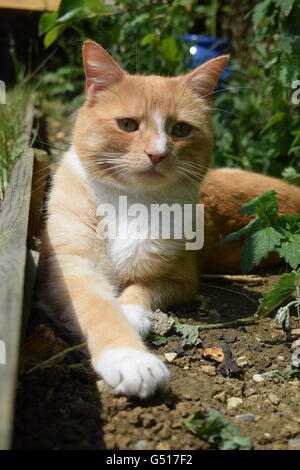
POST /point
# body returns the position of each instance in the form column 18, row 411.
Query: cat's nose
column 156, row 157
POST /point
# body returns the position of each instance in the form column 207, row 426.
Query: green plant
column 212, row 427
column 266, row 233
column 12, row 115
column 260, row 128
column 143, row 36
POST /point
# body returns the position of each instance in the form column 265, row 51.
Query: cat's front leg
column 140, row 299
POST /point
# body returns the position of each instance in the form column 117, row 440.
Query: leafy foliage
column 268, row 232
column 189, row 333
column 276, row 296
column 212, row 427
column 142, row 36
column 260, row 128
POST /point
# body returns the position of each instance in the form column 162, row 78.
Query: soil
column 64, row 405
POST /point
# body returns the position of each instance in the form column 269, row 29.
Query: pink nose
column 156, row 157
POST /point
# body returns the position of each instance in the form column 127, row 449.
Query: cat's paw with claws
column 133, row 372
column 138, row 317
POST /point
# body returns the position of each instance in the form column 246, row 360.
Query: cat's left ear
column 101, row 71
column 203, row 79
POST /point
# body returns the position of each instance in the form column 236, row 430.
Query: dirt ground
column 64, row 405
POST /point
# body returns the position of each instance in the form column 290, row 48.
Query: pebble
column 209, row 370
column 296, row 344
column 171, row 356
column 220, row 397
column 295, row 359
column 229, row 336
column 281, row 358
column 242, row 361
column 294, row 443
column 258, row 378
column 246, row 417
column 186, row 368
column 161, row 323
column 216, row 354
column 249, row 391
column 274, row 398
column 233, row 402
column 296, row 332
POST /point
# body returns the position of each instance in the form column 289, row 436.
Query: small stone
column 161, row 323
column 229, row 336
column 171, row 356
column 281, row 358
column 294, row 443
column 246, row 417
column 234, row 402
column 220, row 397
column 274, row 398
column 186, row 368
column 215, row 354
column 296, row 344
column 258, row 378
column 295, row 359
column 242, row 361
column 295, row 333
column 209, row 370
column 249, row 392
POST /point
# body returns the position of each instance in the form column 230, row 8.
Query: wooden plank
column 13, row 235
column 35, row 5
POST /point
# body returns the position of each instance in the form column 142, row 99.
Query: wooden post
column 13, row 235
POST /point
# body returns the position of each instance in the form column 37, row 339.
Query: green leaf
column 148, row 39
column 53, row 34
column 189, row 333
column 290, row 250
column 169, row 49
column 265, row 200
column 260, row 11
column 252, row 226
column 47, row 21
column 67, row 6
column 277, row 117
column 159, row 340
column 258, row 245
column 284, row 288
column 212, row 427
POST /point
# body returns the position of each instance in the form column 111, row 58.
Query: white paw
column 133, row 372
column 138, row 317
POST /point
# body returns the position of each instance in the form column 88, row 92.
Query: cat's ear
column 203, row 79
column 101, row 71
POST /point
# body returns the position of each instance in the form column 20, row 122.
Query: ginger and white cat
column 148, row 138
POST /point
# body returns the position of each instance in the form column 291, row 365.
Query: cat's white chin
column 132, row 372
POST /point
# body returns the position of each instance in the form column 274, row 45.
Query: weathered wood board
column 13, row 234
column 35, row 5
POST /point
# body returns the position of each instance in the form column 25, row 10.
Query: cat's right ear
column 101, row 71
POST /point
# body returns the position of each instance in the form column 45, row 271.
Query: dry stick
column 242, row 279
column 229, row 290
column 229, row 324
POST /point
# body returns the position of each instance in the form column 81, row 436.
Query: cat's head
column 145, row 131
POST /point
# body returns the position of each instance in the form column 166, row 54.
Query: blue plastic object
column 204, row 48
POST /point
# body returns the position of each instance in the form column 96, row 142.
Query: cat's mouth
column 150, row 172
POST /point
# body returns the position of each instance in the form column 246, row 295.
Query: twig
column 230, row 290
column 229, row 324
column 61, row 353
column 242, row 279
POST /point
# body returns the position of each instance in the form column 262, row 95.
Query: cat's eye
column 181, row 130
column 127, row 125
